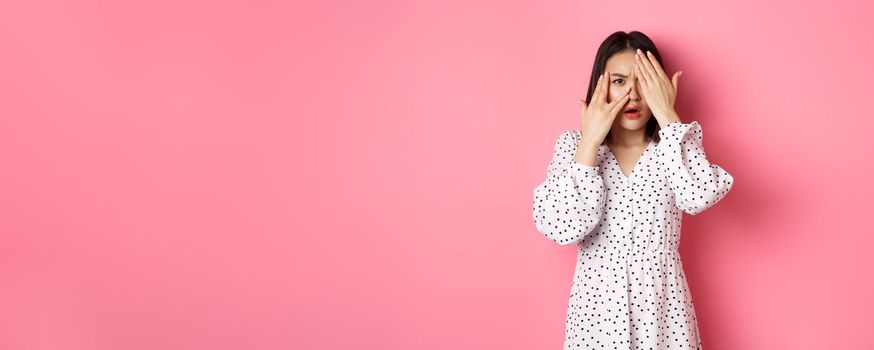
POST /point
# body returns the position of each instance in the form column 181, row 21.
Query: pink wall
column 358, row 175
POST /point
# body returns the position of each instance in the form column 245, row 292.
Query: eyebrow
column 619, row 75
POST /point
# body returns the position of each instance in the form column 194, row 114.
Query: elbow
column 701, row 201
column 569, row 242
column 564, row 231
column 563, row 236
column 563, row 222
column 698, row 201
column 691, row 210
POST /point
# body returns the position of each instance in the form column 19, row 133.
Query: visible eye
column 617, row 80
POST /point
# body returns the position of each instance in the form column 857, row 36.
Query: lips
column 631, row 111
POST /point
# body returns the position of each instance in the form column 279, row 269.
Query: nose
column 633, row 94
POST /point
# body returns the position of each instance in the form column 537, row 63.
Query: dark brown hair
column 617, row 42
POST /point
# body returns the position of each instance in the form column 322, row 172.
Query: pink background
column 359, row 175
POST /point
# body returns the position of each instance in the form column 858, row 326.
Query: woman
column 617, row 190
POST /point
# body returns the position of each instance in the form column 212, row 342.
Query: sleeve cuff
column 586, row 170
column 676, row 129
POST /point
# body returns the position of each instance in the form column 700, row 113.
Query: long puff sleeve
column 569, row 203
column 697, row 184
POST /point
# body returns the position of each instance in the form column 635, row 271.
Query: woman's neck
column 628, row 138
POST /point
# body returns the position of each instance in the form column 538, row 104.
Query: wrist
column 589, row 142
column 669, row 117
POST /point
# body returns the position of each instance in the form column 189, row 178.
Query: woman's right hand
column 597, row 117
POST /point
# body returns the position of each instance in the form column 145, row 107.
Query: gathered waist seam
column 628, row 251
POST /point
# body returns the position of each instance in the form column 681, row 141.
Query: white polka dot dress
column 629, row 290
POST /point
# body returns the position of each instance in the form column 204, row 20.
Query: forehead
column 621, row 62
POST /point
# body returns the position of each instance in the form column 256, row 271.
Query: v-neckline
column 636, row 164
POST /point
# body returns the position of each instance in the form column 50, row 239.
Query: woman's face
column 621, row 68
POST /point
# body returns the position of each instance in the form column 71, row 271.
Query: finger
column 622, row 94
column 676, row 79
column 596, row 94
column 641, row 76
column 604, row 84
column 634, row 76
column 582, row 106
column 618, row 104
column 645, row 68
column 638, row 70
column 656, row 66
column 618, row 107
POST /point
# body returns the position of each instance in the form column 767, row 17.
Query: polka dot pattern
column 629, row 290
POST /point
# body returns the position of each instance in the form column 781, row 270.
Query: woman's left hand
column 659, row 92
